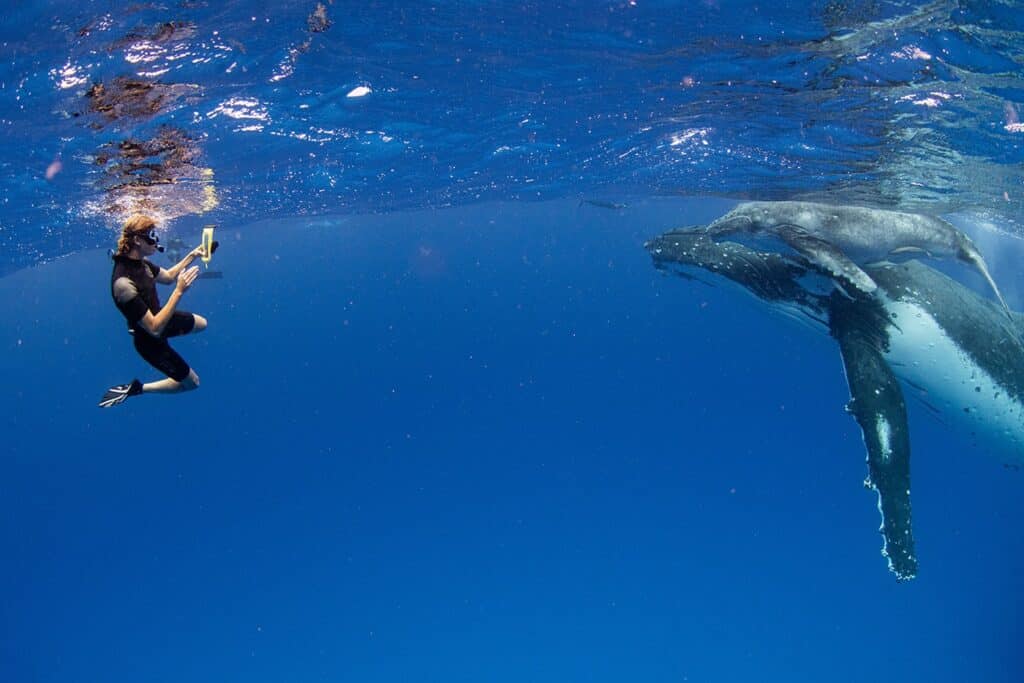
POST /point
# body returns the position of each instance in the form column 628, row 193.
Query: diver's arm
column 168, row 275
column 155, row 324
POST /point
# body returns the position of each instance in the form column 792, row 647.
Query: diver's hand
column 199, row 252
column 186, row 279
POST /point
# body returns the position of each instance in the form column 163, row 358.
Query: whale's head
column 748, row 217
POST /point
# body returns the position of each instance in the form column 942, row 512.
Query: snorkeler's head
column 139, row 227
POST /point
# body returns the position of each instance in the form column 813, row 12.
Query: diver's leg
column 158, row 353
column 169, row 385
column 179, row 376
column 182, row 323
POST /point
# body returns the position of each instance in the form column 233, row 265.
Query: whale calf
column 843, row 239
column 918, row 327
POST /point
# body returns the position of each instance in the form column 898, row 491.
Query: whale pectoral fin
column 975, row 259
column 827, row 256
column 877, row 405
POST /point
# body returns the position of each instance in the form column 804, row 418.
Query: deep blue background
column 486, row 443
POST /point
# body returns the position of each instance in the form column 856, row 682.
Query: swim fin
column 120, row 393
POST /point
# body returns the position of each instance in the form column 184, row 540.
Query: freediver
column 133, row 287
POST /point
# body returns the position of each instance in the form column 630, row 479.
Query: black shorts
column 158, row 353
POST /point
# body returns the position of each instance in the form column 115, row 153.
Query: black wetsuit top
column 133, row 286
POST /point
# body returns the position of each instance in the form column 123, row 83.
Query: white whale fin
column 983, row 269
column 827, row 256
column 877, row 405
column 970, row 254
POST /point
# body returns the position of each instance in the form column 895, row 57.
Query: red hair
column 136, row 224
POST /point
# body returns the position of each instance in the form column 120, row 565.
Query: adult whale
column 843, row 239
column 919, row 326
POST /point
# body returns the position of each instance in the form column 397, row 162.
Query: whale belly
column 923, row 354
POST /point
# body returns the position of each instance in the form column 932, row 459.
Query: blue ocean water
column 453, row 425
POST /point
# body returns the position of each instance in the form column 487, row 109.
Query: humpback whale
column 919, row 327
column 842, row 239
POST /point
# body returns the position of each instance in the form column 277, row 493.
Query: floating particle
column 53, row 169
